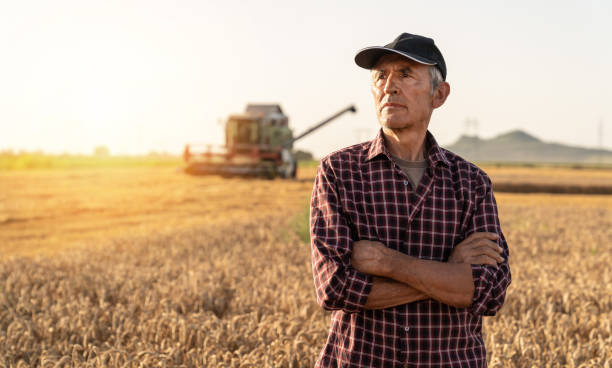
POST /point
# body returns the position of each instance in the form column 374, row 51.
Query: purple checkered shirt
column 361, row 194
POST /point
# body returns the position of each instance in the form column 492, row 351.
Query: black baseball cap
column 418, row 48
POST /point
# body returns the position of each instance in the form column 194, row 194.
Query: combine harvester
column 257, row 143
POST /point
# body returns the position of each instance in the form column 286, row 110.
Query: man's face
column 401, row 90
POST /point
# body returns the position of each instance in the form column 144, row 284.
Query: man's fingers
column 483, row 235
column 490, row 244
column 489, row 261
column 489, row 252
column 482, row 250
column 472, row 244
column 483, row 260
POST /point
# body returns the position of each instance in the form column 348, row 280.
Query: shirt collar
column 435, row 154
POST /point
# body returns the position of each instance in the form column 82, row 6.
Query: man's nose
column 390, row 86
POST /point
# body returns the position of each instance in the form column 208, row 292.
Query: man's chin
column 395, row 125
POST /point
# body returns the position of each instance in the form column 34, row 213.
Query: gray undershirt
column 413, row 169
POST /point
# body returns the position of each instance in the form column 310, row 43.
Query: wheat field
column 154, row 269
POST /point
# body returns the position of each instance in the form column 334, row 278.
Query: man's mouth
column 391, row 105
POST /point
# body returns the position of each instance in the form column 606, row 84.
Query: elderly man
column 407, row 249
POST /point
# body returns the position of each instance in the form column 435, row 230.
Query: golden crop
column 239, row 292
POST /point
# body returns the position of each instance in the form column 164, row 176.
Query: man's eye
column 381, row 76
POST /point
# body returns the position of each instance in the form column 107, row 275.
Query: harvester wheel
column 269, row 169
column 294, row 170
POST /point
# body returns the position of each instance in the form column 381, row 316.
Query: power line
column 471, row 127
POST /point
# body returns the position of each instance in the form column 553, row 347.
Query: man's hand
column 371, row 257
column 478, row 248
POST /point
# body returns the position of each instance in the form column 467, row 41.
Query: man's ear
column 440, row 94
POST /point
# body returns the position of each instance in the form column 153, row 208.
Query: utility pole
column 600, row 140
column 600, row 134
column 471, row 127
column 471, row 130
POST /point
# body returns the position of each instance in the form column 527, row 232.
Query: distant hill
column 519, row 146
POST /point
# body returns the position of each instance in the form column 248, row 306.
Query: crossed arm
column 401, row 279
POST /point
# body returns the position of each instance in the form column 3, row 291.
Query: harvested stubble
column 242, row 296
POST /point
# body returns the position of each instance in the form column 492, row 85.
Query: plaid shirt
column 360, row 193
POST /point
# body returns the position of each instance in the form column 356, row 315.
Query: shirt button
column 406, row 329
column 405, row 182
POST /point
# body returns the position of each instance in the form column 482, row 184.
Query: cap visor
column 366, row 58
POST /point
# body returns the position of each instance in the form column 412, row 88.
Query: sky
column 142, row 76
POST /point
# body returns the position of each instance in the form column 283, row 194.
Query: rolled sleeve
column 337, row 284
column 490, row 283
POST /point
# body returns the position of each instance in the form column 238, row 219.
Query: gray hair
column 435, row 78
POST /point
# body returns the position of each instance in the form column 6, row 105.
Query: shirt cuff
column 358, row 288
column 481, row 274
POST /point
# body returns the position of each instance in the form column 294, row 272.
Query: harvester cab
column 258, row 142
column 265, row 126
